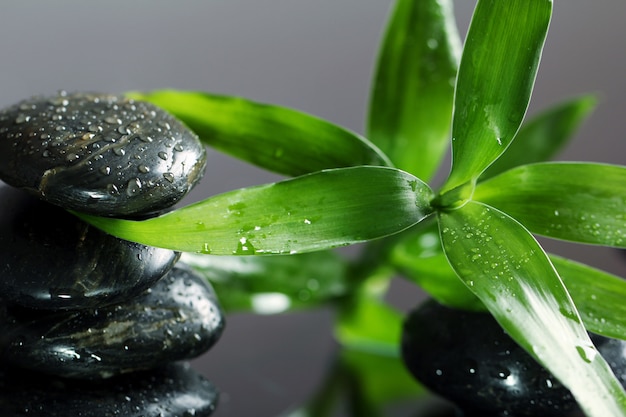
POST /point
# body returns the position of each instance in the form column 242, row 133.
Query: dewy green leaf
column 598, row 295
column 278, row 139
column 313, row 212
column 419, row 257
column 507, row 269
column 582, row 202
column 411, row 103
column 273, row 284
column 541, row 138
column 495, row 81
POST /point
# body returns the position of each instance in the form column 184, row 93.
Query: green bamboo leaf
column 507, row 269
column 368, row 324
column 582, row 202
column 273, row 284
column 381, row 379
column 411, row 103
column 312, row 212
column 541, row 138
column 598, row 295
column 495, row 81
column 278, row 139
column 419, row 257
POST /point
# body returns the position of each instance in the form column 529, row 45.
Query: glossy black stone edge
column 50, row 259
column 178, row 318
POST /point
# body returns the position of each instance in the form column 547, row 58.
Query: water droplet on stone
column 134, row 126
column 112, row 189
column 133, row 187
column 504, row 374
column 168, row 176
column 22, row 119
column 112, row 120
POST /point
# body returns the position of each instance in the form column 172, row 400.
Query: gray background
column 315, row 56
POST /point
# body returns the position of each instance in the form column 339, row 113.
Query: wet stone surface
column 467, row 358
column 101, row 154
column 179, row 318
column 174, row 390
column 50, row 259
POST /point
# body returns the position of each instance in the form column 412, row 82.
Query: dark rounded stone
column 100, row 154
column 174, row 390
column 179, row 318
column 50, row 259
column 467, row 358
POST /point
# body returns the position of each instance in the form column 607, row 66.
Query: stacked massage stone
column 108, row 322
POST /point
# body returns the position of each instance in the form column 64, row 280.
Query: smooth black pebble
column 179, row 318
column 50, row 259
column 174, row 390
column 101, row 154
column 467, row 358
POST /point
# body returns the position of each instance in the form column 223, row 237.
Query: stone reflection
column 170, row 390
